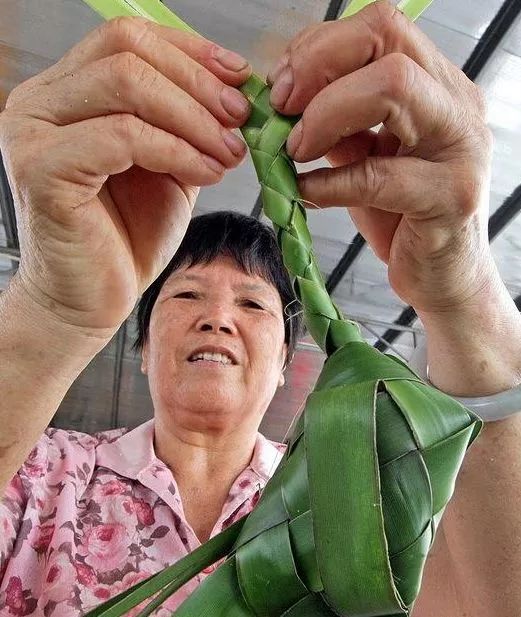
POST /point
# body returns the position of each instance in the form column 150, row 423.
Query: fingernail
column 229, row 59
column 275, row 72
column 294, row 139
column 282, row 88
column 236, row 146
column 234, row 103
column 213, row 164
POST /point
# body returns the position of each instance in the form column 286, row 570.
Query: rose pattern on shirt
column 88, row 516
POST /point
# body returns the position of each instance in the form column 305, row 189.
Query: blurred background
column 481, row 36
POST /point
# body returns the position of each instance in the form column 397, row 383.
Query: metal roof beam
column 489, row 41
column 257, row 208
column 334, row 9
column 505, row 214
column 8, row 214
column 353, row 250
column 118, row 370
column 13, row 254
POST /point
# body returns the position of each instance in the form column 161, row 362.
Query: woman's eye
column 253, row 304
column 186, row 294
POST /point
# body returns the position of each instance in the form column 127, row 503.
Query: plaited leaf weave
column 265, row 133
column 345, row 524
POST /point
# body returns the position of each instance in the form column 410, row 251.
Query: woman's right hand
column 105, row 152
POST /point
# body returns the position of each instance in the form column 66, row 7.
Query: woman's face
column 215, row 350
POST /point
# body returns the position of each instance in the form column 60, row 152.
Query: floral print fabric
column 88, row 516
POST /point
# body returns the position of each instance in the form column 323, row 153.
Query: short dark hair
column 251, row 244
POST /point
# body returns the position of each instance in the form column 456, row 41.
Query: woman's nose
column 218, row 322
column 212, row 326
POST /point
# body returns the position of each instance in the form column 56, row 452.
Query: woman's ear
column 282, row 379
column 144, row 359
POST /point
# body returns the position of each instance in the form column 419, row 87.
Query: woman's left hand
column 418, row 190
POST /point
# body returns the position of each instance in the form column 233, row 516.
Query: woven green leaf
column 345, row 524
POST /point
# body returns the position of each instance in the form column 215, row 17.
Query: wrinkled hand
column 418, row 189
column 105, row 152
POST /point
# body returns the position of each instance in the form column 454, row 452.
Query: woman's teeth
column 212, row 357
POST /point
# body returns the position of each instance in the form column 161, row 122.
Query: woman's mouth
column 209, row 358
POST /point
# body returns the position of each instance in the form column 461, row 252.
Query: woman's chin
column 214, row 406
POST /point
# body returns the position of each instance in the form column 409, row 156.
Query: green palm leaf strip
column 412, row 8
column 345, row 524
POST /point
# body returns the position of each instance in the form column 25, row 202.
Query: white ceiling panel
column 455, row 45
column 470, row 17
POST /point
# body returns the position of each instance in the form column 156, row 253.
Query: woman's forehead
column 222, row 270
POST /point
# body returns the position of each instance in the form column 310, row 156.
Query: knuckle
column 310, row 36
column 202, row 51
column 322, row 185
column 198, row 79
column 126, row 126
column 400, row 72
column 11, row 98
column 308, row 42
column 371, row 182
column 17, row 94
column 381, row 13
column 129, row 69
column 384, row 20
column 123, row 64
column 124, row 32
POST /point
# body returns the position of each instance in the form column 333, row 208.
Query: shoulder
column 61, row 452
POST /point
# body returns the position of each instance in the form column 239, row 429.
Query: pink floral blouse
column 88, row 516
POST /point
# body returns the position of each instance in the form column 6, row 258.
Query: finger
column 353, row 148
column 113, row 144
column 184, row 59
column 134, row 34
column 155, row 209
column 420, row 189
column 229, row 66
column 394, row 91
column 124, row 83
column 327, row 52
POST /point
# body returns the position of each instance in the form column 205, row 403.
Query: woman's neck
column 205, row 466
column 203, row 455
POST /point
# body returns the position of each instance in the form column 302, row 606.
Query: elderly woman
column 105, row 151
column 215, row 341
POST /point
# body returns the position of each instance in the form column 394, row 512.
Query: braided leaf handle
column 265, row 133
